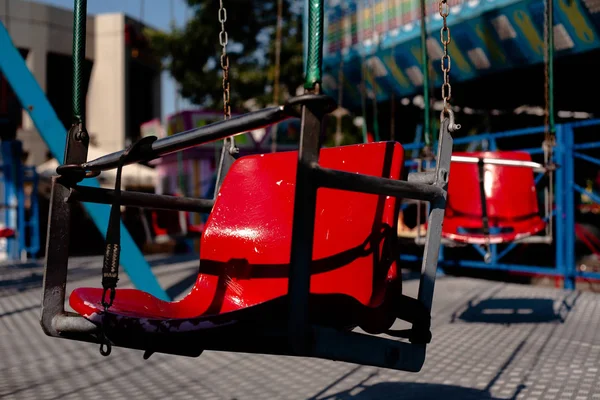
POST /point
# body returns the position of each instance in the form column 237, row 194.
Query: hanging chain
column 444, row 9
column 224, row 40
column 549, row 139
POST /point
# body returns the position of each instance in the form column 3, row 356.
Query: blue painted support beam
column 569, row 201
column 507, row 250
column 587, row 158
column 584, row 123
column 417, row 145
column 589, row 275
column 559, row 201
column 34, row 219
column 54, row 134
column 587, row 146
column 593, row 196
column 9, row 170
column 528, row 269
column 20, row 189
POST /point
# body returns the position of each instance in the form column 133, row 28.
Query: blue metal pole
column 507, row 250
column 586, row 146
column 10, row 198
column 21, row 230
column 529, row 269
column 585, row 123
column 494, row 251
column 569, row 209
column 559, row 202
column 34, row 222
column 587, row 158
column 54, row 134
column 594, row 197
column 417, row 144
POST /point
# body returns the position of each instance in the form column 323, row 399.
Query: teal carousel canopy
column 488, row 36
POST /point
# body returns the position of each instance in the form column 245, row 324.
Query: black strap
column 110, row 266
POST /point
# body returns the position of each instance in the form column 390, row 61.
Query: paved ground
column 491, row 341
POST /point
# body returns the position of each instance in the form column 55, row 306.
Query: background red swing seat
column 168, row 223
column 7, row 233
column 245, row 250
column 511, row 198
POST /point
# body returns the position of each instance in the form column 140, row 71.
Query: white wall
column 106, row 95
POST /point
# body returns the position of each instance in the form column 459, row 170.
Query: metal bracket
column 436, row 218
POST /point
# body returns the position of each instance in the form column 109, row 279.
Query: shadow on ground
column 516, row 310
column 410, row 391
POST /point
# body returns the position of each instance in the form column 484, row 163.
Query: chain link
column 224, row 41
column 549, row 139
column 446, row 64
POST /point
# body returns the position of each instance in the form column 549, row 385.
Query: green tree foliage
column 192, row 53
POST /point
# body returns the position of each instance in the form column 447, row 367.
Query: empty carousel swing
column 299, row 248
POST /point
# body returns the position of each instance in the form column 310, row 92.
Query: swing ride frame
column 486, row 245
column 307, row 340
column 569, row 150
column 299, row 337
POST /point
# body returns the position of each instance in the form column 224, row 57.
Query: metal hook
column 105, row 348
column 452, row 126
column 488, row 256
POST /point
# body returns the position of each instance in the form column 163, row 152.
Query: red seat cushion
column 246, row 243
column 511, row 198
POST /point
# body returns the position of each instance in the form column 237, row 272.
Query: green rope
column 315, row 44
column 79, row 36
column 424, row 62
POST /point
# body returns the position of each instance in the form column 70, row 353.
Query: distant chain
column 224, row 40
column 549, row 139
column 446, row 63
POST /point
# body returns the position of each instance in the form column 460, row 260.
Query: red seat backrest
column 247, row 238
column 510, row 190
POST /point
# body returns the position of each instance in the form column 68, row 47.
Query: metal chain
column 224, row 40
column 549, row 139
column 445, row 37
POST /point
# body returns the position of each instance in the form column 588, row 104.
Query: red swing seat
column 7, row 233
column 168, row 223
column 245, row 250
column 511, row 198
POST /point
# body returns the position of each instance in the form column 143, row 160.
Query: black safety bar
column 185, row 140
column 141, row 200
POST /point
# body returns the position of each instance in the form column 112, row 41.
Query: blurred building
column 122, row 80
